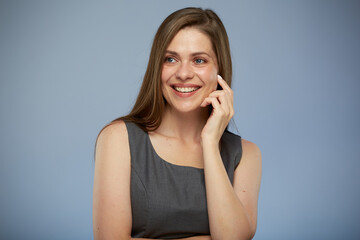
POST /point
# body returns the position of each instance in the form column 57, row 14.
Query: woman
column 170, row 169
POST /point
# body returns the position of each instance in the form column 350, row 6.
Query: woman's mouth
column 186, row 89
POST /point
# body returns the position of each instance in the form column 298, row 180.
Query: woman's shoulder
column 250, row 149
column 249, row 145
column 112, row 147
column 112, row 133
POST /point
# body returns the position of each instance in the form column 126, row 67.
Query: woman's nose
column 184, row 71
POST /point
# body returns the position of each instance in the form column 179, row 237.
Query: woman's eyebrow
column 200, row 53
column 192, row 54
column 171, row 52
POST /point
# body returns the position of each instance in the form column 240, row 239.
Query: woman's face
column 189, row 72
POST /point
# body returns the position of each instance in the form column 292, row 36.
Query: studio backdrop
column 67, row 68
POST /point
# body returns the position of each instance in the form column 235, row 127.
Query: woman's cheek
column 164, row 74
column 209, row 74
column 214, row 80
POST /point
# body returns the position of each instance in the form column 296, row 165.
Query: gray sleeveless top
column 168, row 200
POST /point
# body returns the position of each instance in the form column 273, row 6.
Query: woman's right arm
column 111, row 197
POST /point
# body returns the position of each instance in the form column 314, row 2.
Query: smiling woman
column 170, row 168
column 190, row 70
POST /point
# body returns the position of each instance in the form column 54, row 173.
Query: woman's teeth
column 186, row 89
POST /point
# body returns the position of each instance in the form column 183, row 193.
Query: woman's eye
column 199, row 61
column 170, row 59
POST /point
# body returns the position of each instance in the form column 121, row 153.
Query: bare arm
column 111, row 197
column 232, row 209
column 189, row 238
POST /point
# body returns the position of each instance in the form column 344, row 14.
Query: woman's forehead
column 191, row 40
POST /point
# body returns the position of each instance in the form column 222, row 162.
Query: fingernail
column 220, row 76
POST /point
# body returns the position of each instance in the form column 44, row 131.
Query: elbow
column 248, row 235
column 240, row 229
column 251, row 235
column 250, row 231
column 235, row 235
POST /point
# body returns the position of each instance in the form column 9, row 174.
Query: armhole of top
column 129, row 134
column 239, row 155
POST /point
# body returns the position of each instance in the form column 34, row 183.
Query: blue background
column 69, row 67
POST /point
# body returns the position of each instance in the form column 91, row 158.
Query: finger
column 204, row 103
column 218, row 109
column 207, row 101
column 226, row 88
column 226, row 101
column 224, row 84
column 224, row 98
column 210, row 100
column 222, row 94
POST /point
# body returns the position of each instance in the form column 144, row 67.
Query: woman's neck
column 184, row 126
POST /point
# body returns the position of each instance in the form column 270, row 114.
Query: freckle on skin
column 243, row 191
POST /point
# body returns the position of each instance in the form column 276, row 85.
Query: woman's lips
column 185, row 90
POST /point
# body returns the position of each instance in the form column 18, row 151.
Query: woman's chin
column 187, row 109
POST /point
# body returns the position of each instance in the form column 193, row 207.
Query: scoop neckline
column 169, row 163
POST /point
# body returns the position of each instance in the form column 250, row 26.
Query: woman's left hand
column 223, row 110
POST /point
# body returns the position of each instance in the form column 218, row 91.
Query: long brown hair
column 150, row 104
